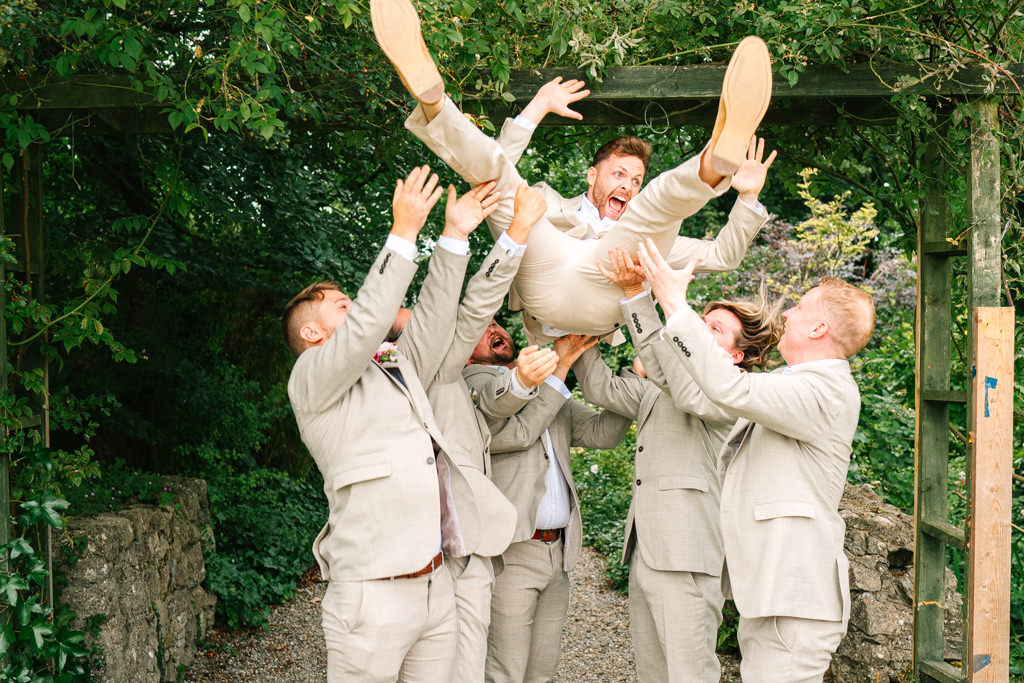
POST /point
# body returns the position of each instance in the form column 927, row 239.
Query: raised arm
column 487, row 288
column 726, row 250
column 521, row 430
column 600, row 387
column 554, row 97
column 322, row 374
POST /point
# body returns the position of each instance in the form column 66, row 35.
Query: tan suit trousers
column 528, row 607
column 392, row 630
column 787, row 649
column 673, row 620
column 474, row 577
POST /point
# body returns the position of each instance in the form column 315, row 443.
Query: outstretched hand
column 554, row 97
column 749, row 178
column 529, row 208
column 534, row 365
column 667, row 284
column 413, row 200
column 569, row 348
column 623, row 272
column 463, row 214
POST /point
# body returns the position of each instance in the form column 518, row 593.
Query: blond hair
column 760, row 328
column 303, row 308
column 850, row 314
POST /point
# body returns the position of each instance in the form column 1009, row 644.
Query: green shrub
column 115, row 487
column 264, row 522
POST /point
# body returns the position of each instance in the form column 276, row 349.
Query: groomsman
column 783, row 470
column 530, row 457
column 395, row 497
column 673, row 539
column 466, row 429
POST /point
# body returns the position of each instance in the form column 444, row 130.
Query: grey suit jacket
column 520, row 461
column 783, row 470
column 673, row 516
column 388, row 491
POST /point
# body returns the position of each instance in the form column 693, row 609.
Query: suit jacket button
column 425, row 426
column 639, row 449
column 430, row 461
column 637, row 482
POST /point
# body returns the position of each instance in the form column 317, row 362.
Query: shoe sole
column 397, row 28
column 746, row 92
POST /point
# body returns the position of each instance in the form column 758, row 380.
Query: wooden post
column 988, row 656
column 931, row 444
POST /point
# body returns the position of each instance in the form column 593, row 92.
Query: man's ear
column 311, row 333
column 737, row 357
column 591, row 177
column 819, row 331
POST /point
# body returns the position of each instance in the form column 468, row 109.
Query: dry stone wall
column 880, row 547
column 143, row 569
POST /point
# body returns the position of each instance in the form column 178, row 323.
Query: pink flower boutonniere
column 386, row 353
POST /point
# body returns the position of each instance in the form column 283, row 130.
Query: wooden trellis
column 673, row 96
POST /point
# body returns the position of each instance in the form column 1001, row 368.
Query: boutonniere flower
column 386, row 353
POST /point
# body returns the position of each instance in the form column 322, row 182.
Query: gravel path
column 595, row 642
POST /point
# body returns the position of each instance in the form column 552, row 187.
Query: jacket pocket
column 682, row 482
column 783, row 508
column 355, row 475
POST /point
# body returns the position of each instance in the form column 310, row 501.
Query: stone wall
column 880, row 546
column 143, row 568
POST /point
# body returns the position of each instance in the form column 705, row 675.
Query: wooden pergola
column 674, row 96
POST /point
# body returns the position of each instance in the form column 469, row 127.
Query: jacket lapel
column 732, row 445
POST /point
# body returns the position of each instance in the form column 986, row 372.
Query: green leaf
column 243, row 13
column 267, row 131
column 121, row 4
column 133, row 48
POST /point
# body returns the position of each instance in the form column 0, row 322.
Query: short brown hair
column 300, row 310
column 760, row 328
column 625, row 146
column 850, row 313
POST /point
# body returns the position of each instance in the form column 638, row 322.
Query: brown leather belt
column 547, row 535
column 431, row 566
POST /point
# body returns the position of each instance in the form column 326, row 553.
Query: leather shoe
column 746, row 91
column 397, row 28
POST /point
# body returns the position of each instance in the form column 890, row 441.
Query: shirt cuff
column 633, row 298
column 519, row 390
column 511, row 247
column 558, row 385
column 680, row 312
column 757, row 207
column 401, row 246
column 524, row 122
column 458, row 247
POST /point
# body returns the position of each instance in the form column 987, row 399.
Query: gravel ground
column 595, row 640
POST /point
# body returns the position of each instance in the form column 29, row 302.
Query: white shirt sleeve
column 526, row 123
column 756, row 207
column 558, row 385
column 401, row 246
column 511, row 247
column 459, row 247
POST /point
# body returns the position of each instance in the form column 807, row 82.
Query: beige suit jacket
column 465, row 428
column 783, row 470
column 520, row 461
column 388, row 492
column 673, row 517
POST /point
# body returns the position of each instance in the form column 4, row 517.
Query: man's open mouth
column 617, row 204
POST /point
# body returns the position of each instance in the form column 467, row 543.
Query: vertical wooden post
column 931, row 443
column 984, row 272
column 5, row 457
column 988, row 656
column 986, row 616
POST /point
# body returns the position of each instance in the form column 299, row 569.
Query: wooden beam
column 628, row 95
column 988, row 654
